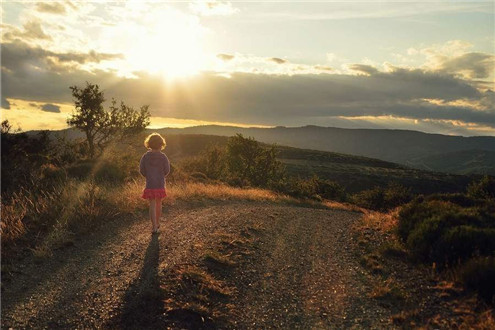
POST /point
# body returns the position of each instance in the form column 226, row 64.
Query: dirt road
column 229, row 265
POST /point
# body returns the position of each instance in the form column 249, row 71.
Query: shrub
column 463, row 242
column 478, row 275
column 419, row 210
column 330, row 190
column 439, row 230
column 248, row 161
column 81, row 170
column 110, row 172
column 380, row 199
column 102, row 170
column 53, row 174
column 484, row 189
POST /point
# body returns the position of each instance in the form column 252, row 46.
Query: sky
column 426, row 65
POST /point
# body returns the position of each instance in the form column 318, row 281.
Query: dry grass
column 343, row 206
column 12, row 225
column 382, row 222
column 130, row 194
column 192, row 190
column 388, row 291
column 484, row 321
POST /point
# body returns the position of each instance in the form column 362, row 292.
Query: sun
column 171, row 46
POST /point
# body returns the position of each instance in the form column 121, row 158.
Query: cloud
column 269, row 99
column 50, row 7
column 277, row 60
column 5, row 103
column 323, row 68
column 213, row 8
column 340, row 10
column 225, row 57
column 454, row 57
column 32, row 30
column 48, row 107
column 471, row 65
column 21, row 58
column 363, row 68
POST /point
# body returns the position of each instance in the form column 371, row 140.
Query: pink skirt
column 154, row 193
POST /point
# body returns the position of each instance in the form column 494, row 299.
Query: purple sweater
column 155, row 167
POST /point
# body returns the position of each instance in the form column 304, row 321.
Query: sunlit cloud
column 51, row 7
column 213, row 8
column 31, row 30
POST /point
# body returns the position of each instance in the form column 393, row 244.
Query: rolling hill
column 411, row 148
column 355, row 173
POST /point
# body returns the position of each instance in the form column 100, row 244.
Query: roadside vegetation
column 437, row 254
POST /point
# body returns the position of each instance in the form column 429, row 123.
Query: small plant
column 478, row 275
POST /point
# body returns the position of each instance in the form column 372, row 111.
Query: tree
column 100, row 126
column 248, row 161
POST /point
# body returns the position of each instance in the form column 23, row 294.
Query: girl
column 154, row 165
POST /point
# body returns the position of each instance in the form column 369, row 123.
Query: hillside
column 450, row 154
column 355, row 173
column 398, row 146
column 461, row 162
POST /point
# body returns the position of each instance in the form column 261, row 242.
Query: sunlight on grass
column 191, row 191
column 383, row 222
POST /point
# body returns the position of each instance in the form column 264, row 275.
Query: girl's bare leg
column 153, row 213
column 158, row 210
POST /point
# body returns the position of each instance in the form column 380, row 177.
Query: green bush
column 463, row 242
column 81, row 170
column 484, row 189
column 110, row 172
column 479, row 275
column 330, row 190
column 441, row 229
column 383, row 199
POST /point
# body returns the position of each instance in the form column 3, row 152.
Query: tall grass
column 44, row 219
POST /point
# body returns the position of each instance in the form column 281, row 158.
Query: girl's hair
column 155, row 141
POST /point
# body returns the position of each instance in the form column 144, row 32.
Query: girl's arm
column 142, row 168
column 166, row 167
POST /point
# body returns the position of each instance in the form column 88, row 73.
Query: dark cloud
column 323, row 68
column 476, row 65
column 50, row 7
column 225, row 57
column 258, row 98
column 363, row 68
column 277, row 60
column 48, row 107
column 32, row 30
column 21, row 58
column 5, row 103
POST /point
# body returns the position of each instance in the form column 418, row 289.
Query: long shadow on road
column 143, row 300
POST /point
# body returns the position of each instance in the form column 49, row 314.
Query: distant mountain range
column 453, row 154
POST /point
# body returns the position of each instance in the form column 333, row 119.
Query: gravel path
column 298, row 271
